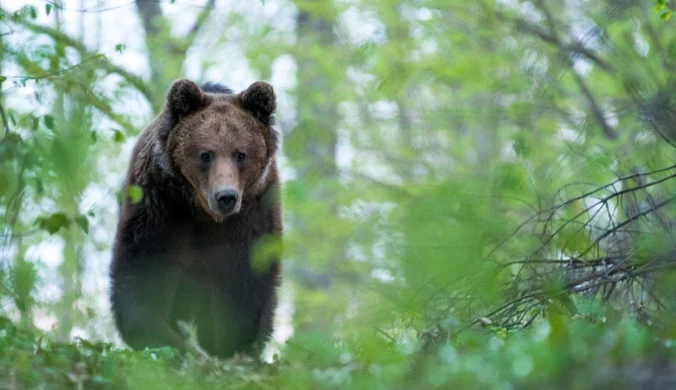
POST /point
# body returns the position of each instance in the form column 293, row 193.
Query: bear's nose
column 226, row 200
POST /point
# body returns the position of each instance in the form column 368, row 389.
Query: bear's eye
column 206, row 157
column 240, row 157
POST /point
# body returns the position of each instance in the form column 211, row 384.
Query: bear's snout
column 226, row 200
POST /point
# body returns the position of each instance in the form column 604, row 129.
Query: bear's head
column 222, row 144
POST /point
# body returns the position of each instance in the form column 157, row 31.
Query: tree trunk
column 166, row 54
column 311, row 150
column 312, row 144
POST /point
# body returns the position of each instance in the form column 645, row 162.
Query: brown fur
column 177, row 256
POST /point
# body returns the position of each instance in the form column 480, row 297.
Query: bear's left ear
column 260, row 100
column 185, row 97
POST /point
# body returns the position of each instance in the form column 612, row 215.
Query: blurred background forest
column 477, row 194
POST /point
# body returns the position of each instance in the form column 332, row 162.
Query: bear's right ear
column 260, row 100
column 185, row 97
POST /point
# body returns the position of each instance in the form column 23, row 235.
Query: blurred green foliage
column 590, row 351
column 476, row 194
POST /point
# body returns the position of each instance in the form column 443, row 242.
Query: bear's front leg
column 264, row 330
column 265, row 325
column 141, row 303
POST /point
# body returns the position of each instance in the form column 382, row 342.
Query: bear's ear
column 260, row 100
column 185, row 97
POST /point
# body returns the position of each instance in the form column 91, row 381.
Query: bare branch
column 60, row 7
column 596, row 109
column 574, row 47
column 566, row 50
column 633, row 218
column 613, row 271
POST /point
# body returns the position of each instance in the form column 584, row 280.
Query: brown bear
column 208, row 173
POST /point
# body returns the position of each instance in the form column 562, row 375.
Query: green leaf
column 93, row 137
column 118, row 137
column 49, row 121
column 3, row 78
column 268, row 249
column 120, row 47
column 39, row 186
column 33, row 11
column 522, row 145
column 135, row 193
column 511, row 178
column 666, row 14
column 53, row 223
column 83, row 223
column 48, row 8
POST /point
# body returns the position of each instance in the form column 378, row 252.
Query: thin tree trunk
column 311, row 150
column 312, row 145
column 153, row 24
column 166, row 54
column 70, row 281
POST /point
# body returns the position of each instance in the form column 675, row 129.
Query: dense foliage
column 590, row 352
column 476, row 194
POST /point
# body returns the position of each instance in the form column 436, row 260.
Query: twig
column 108, row 66
column 629, row 220
column 201, row 18
column 382, row 332
column 5, row 124
column 58, row 72
column 596, row 109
